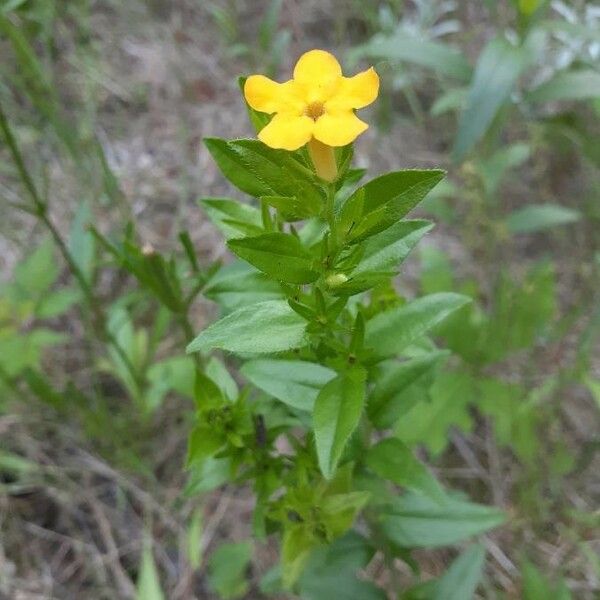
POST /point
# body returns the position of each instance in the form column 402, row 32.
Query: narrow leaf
column 262, row 171
column 570, row 85
column 428, row 423
column 537, row 217
column 386, row 250
column 233, row 218
column 296, row 383
column 406, row 48
column 388, row 333
column 227, row 569
column 460, row 581
column 337, row 412
column 148, row 585
column 391, row 459
column 497, row 71
column 416, row 521
column 279, row 255
column 389, row 198
column 388, row 401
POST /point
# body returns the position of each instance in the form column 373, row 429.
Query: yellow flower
column 318, row 103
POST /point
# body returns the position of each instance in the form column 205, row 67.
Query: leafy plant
column 323, row 385
column 323, row 358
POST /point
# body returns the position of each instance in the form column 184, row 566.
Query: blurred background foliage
column 109, row 264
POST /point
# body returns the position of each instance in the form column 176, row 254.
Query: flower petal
column 265, row 95
column 287, row 132
column 355, row 92
column 338, row 129
column 318, row 73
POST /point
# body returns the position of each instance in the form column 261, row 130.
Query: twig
column 500, row 557
column 215, row 521
column 469, row 456
column 495, row 475
column 143, row 496
column 112, row 555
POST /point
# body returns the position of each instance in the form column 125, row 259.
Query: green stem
column 330, row 217
column 189, row 335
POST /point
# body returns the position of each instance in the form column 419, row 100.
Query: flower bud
column 335, row 280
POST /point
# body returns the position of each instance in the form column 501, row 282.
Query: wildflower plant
column 325, row 345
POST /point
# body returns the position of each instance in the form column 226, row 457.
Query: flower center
column 314, row 110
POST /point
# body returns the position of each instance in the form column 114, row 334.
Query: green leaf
column 331, row 571
column 415, row 521
column 594, row 386
column 453, row 99
column 56, row 303
column 265, row 327
column 389, row 398
column 19, row 350
column 194, row 538
column 436, row 271
column 238, row 284
column 386, row 250
column 204, row 441
column 521, row 311
column 217, row 371
column 536, row 217
column 337, row 412
column 528, row 7
column 389, row 332
column 279, row 255
column 515, row 418
column 233, row 218
column 11, row 5
column 158, row 275
column 152, row 270
column 297, row 543
column 148, row 585
column 293, row 209
column 17, row 464
column 227, row 569
column 495, row 168
column 404, row 47
column 207, row 475
column 581, row 31
column 175, row 373
column 497, row 71
column 207, row 394
column 428, row 422
column 43, row 389
column 359, row 283
column 296, row 383
column 35, row 275
column 389, row 198
column 537, row 587
column 339, row 511
column 391, row 459
column 262, row 171
column 567, row 85
column 460, row 581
